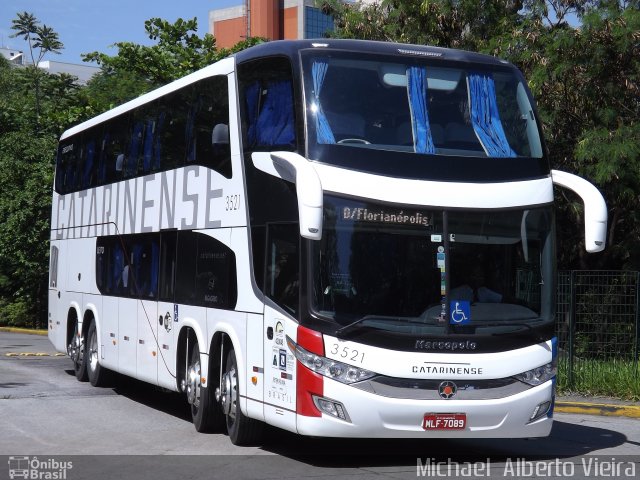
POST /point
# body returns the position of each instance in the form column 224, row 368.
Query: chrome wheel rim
column 193, row 384
column 93, row 351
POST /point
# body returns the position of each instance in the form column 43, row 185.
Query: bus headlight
column 539, row 375
column 329, row 368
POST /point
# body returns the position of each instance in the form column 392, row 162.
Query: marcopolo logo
column 38, row 469
column 452, row 346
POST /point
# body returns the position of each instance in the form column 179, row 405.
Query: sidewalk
column 28, row 331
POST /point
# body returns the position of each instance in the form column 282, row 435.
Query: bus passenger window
column 270, row 114
column 267, row 102
column 208, row 126
column 115, row 139
column 171, row 139
column 167, row 265
column 216, row 274
column 186, row 268
column 135, row 146
column 143, row 274
column 88, row 163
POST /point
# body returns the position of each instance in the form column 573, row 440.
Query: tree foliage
column 178, row 52
column 463, row 24
column 40, row 37
column 36, row 107
column 582, row 61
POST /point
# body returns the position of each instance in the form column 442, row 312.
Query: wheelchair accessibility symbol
column 460, row 312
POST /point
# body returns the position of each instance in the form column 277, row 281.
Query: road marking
column 33, row 354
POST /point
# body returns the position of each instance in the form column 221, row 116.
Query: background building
column 16, row 57
column 84, row 72
column 272, row 19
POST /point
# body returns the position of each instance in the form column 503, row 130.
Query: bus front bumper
column 375, row 416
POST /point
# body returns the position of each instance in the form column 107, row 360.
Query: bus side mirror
column 294, row 168
column 595, row 208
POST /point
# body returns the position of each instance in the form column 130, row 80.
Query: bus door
column 147, row 348
column 281, row 285
column 145, row 255
column 57, row 308
column 167, row 312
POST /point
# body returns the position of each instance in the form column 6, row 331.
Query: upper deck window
column 416, row 105
column 267, row 103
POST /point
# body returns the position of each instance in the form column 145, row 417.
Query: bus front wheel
column 242, row 430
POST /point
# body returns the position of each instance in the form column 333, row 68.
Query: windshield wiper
column 508, row 324
column 351, row 326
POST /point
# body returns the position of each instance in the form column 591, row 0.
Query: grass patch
column 609, row 378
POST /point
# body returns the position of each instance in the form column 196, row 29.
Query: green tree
column 584, row 76
column 178, row 52
column 464, row 24
column 44, row 40
column 585, row 80
column 35, row 107
column 25, row 207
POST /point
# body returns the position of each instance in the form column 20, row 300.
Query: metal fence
column 598, row 330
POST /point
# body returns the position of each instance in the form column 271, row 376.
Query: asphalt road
column 134, row 430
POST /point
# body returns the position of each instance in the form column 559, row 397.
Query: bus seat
column 458, row 135
column 220, row 134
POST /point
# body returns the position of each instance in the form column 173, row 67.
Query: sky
column 86, row 26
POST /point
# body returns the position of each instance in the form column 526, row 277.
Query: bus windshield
column 417, row 105
column 392, row 267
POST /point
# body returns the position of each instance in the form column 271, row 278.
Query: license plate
column 444, row 421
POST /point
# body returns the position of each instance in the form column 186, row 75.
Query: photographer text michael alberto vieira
column 521, row 467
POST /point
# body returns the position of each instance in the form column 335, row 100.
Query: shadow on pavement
column 566, row 440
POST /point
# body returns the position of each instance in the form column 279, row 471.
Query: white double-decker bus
column 339, row 238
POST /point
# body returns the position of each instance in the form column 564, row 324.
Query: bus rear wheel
column 77, row 352
column 242, row 430
column 205, row 413
column 98, row 375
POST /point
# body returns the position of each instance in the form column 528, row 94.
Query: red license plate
column 444, row 421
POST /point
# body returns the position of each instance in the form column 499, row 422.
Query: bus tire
column 205, row 412
column 78, row 356
column 242, row 430
column 98, row 375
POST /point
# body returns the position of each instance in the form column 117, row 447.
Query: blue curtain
column 102, row 162
column 155, row 265
column 147, row 149
column 275, row 124
column 157, row 155
column 88, row 164
column 485, row 117
column 131, row 163
column 251, row 95
column 117, row 266
column 323, row 129
column 190, row 130
column 417, row 92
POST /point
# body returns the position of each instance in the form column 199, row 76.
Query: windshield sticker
column 395, row 217
column 437, row 239
column 460, row 312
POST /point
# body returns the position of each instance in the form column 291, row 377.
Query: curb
column 28, row 331
column 605, row 409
